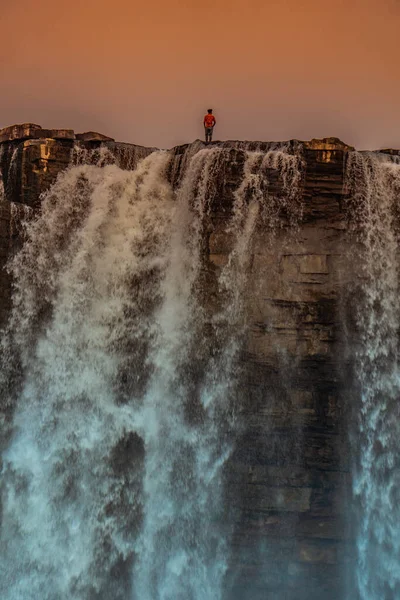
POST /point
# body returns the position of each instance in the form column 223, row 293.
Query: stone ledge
column 390, row 151
column 18, row 132
column 27, row 131
column 328, row 143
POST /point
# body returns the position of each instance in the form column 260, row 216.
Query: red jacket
column 209, row 121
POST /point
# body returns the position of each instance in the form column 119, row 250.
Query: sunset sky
column 145, row 72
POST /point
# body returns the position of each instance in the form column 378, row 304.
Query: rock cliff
column 288, row 478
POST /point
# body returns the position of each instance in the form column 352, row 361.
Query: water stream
column 374, row 201
column 124, row 412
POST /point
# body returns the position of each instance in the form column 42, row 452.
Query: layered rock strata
column 288, row 478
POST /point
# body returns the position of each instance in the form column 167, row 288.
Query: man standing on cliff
column 209, row 124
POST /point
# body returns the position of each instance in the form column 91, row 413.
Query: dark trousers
column 208, row 132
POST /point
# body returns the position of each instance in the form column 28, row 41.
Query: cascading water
column 374, row 195
column 2, row 198
column 112, row 472
column 125, row 156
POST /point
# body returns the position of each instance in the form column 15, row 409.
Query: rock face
column 28, row 131
column 289, row 475
column 288, row 478
column 290, row 470
column 30, row 159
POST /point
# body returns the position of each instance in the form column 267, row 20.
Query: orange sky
column 145, row 71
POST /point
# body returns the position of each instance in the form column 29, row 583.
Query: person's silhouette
column 209, row 124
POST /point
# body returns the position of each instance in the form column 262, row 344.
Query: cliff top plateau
column 32, row 131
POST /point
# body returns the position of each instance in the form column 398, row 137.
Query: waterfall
column 125, row 156
column 374, row 195
column 124, row 410
column 2, row 195
column 13, row 164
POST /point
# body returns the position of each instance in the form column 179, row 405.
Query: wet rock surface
column 288, row 476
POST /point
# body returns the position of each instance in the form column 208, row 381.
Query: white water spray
column 112, row 480
column 374, row 190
